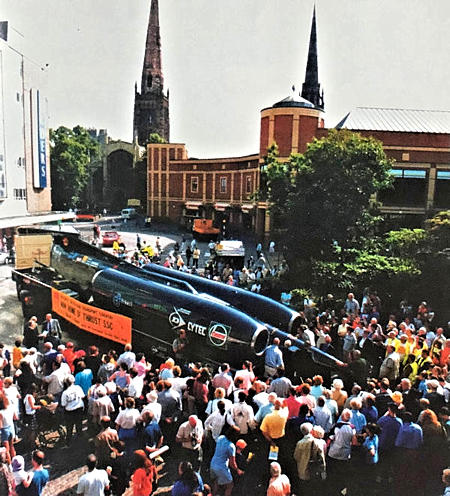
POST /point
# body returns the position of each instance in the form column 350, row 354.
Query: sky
column 225, row 60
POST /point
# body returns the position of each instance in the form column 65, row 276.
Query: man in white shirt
column 190, row 435
column 323, row 415
column 246, row 374
column 72, row 402
column 261, row 397
column 127, row 356
column 223, row 379
column 55, row 381
column 95, row 481
column 136, row 384
column 242, row 414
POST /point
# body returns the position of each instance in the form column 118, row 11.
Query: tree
column 155, row 138
column 323, row 197
column 71, row 151
column 438, row 229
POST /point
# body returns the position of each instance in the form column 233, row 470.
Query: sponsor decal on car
column 218, row 333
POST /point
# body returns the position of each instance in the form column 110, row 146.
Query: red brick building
column 419, row 141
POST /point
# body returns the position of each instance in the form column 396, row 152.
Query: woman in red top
column 145, row 475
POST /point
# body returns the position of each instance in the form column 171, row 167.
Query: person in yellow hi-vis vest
column 424, row 361
column 392, row 341
column 403, row 348
column 116, row 246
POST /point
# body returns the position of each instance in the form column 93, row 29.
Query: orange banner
column 106, row 324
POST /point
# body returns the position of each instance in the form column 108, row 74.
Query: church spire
column 152, row 76
column 311, row 86
column 151, row 106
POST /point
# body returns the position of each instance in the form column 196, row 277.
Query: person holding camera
column 190, row 436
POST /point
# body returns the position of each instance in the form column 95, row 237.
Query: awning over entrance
column 247, row 207
column 193, row 205
column 29, row 220
column 220, row 206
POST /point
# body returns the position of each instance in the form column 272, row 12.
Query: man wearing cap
column 153, row 405
column 392, row 340
column 190, row 435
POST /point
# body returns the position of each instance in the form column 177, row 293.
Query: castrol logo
column 218, row 333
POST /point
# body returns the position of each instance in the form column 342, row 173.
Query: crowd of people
column 185, row 256
column 380, row 426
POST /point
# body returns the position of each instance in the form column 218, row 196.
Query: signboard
column 133, row 202
column 34, row 247
column 2, row 137
column 39, row 139
column 106, row 324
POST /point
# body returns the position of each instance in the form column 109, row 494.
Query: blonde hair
column 318, row 432
column 338, row 384
column 219, row 393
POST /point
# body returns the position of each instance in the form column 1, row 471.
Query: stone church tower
column 151, row 105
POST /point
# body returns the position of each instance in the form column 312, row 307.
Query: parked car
column 85, row 217
column 205, row 228
column 4, row 257
column 128, row 213
column 109, row 237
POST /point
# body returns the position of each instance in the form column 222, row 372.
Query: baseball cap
column 240, row 443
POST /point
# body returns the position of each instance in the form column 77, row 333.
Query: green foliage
column 278, row 184
column 405, row 242
column 155, row 138
column 438, row 229
column 323, row 198
column 71, row 151
column 388, row 274
column 334, row 182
